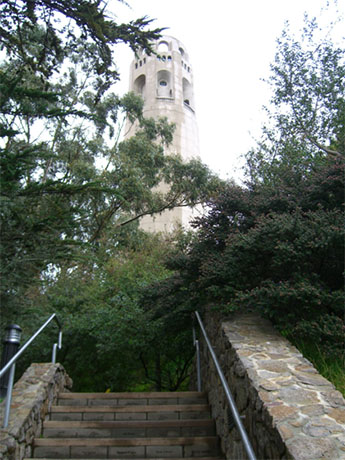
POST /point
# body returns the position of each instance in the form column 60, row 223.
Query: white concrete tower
column 166, row 85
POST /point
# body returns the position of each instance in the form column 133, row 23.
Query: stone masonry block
column 88, row 452
column 33, row 395
column 127, row 452
column 49, row 452
column 276, row 388
column 164, row 451
column 131, row 416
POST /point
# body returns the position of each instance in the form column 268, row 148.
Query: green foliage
column 61, row 25
column 277, row 254
column 110, row 335
column 331, row 366
column 65, row 177
column 327, row 332
column 307, row 113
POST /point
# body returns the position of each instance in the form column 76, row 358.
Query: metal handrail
column 235, row 414
column 12, row 362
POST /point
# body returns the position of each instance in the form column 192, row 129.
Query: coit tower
column 165, row 81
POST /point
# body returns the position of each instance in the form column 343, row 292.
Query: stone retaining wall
column 291, row 411
column 33, row 395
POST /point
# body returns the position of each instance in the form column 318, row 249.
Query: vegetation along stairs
column 129, row 425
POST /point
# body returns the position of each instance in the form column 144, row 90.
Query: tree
column 57, row 27
column 42, row 181
column 307, row 111
column 111, row 326
column 277, row 253
column 65, row 177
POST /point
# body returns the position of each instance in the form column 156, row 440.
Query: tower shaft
column 166, row 84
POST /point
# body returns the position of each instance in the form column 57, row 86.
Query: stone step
column 146, row 412
column 124, row 429
column 127, row 399
column 135, row 395
column 147, row 458
column 150, row 425
column 179, row 447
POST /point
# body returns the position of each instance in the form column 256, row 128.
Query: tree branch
column 157, row 211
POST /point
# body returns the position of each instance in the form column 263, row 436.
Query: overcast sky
column 231, row 45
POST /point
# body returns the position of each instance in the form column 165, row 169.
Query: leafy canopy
column 306, row 116
column 65, row 177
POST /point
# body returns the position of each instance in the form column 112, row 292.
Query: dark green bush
column 278, row 251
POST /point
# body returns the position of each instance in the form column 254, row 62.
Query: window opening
column 164, row 83
column 139, row 85
column 187, row 93
column 163, row 46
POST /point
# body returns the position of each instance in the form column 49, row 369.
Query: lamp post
column 11, row 345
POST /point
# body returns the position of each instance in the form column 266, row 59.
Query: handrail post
column 9, row 395
column 54, row 353
column 198, row 366
column 56, row 346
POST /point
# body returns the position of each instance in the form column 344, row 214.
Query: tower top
column 164, row 75
column 166, row 44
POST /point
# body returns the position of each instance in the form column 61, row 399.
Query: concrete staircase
column 129, row 425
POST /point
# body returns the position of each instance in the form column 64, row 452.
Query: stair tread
column 127, row 423
column 145, row 408
column 133, row 395
column 130, row 406
column 125, row 442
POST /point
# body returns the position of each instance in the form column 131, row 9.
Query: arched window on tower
column 164, row 87
column 163, row 47
column 188, row 98
column 139, row 85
